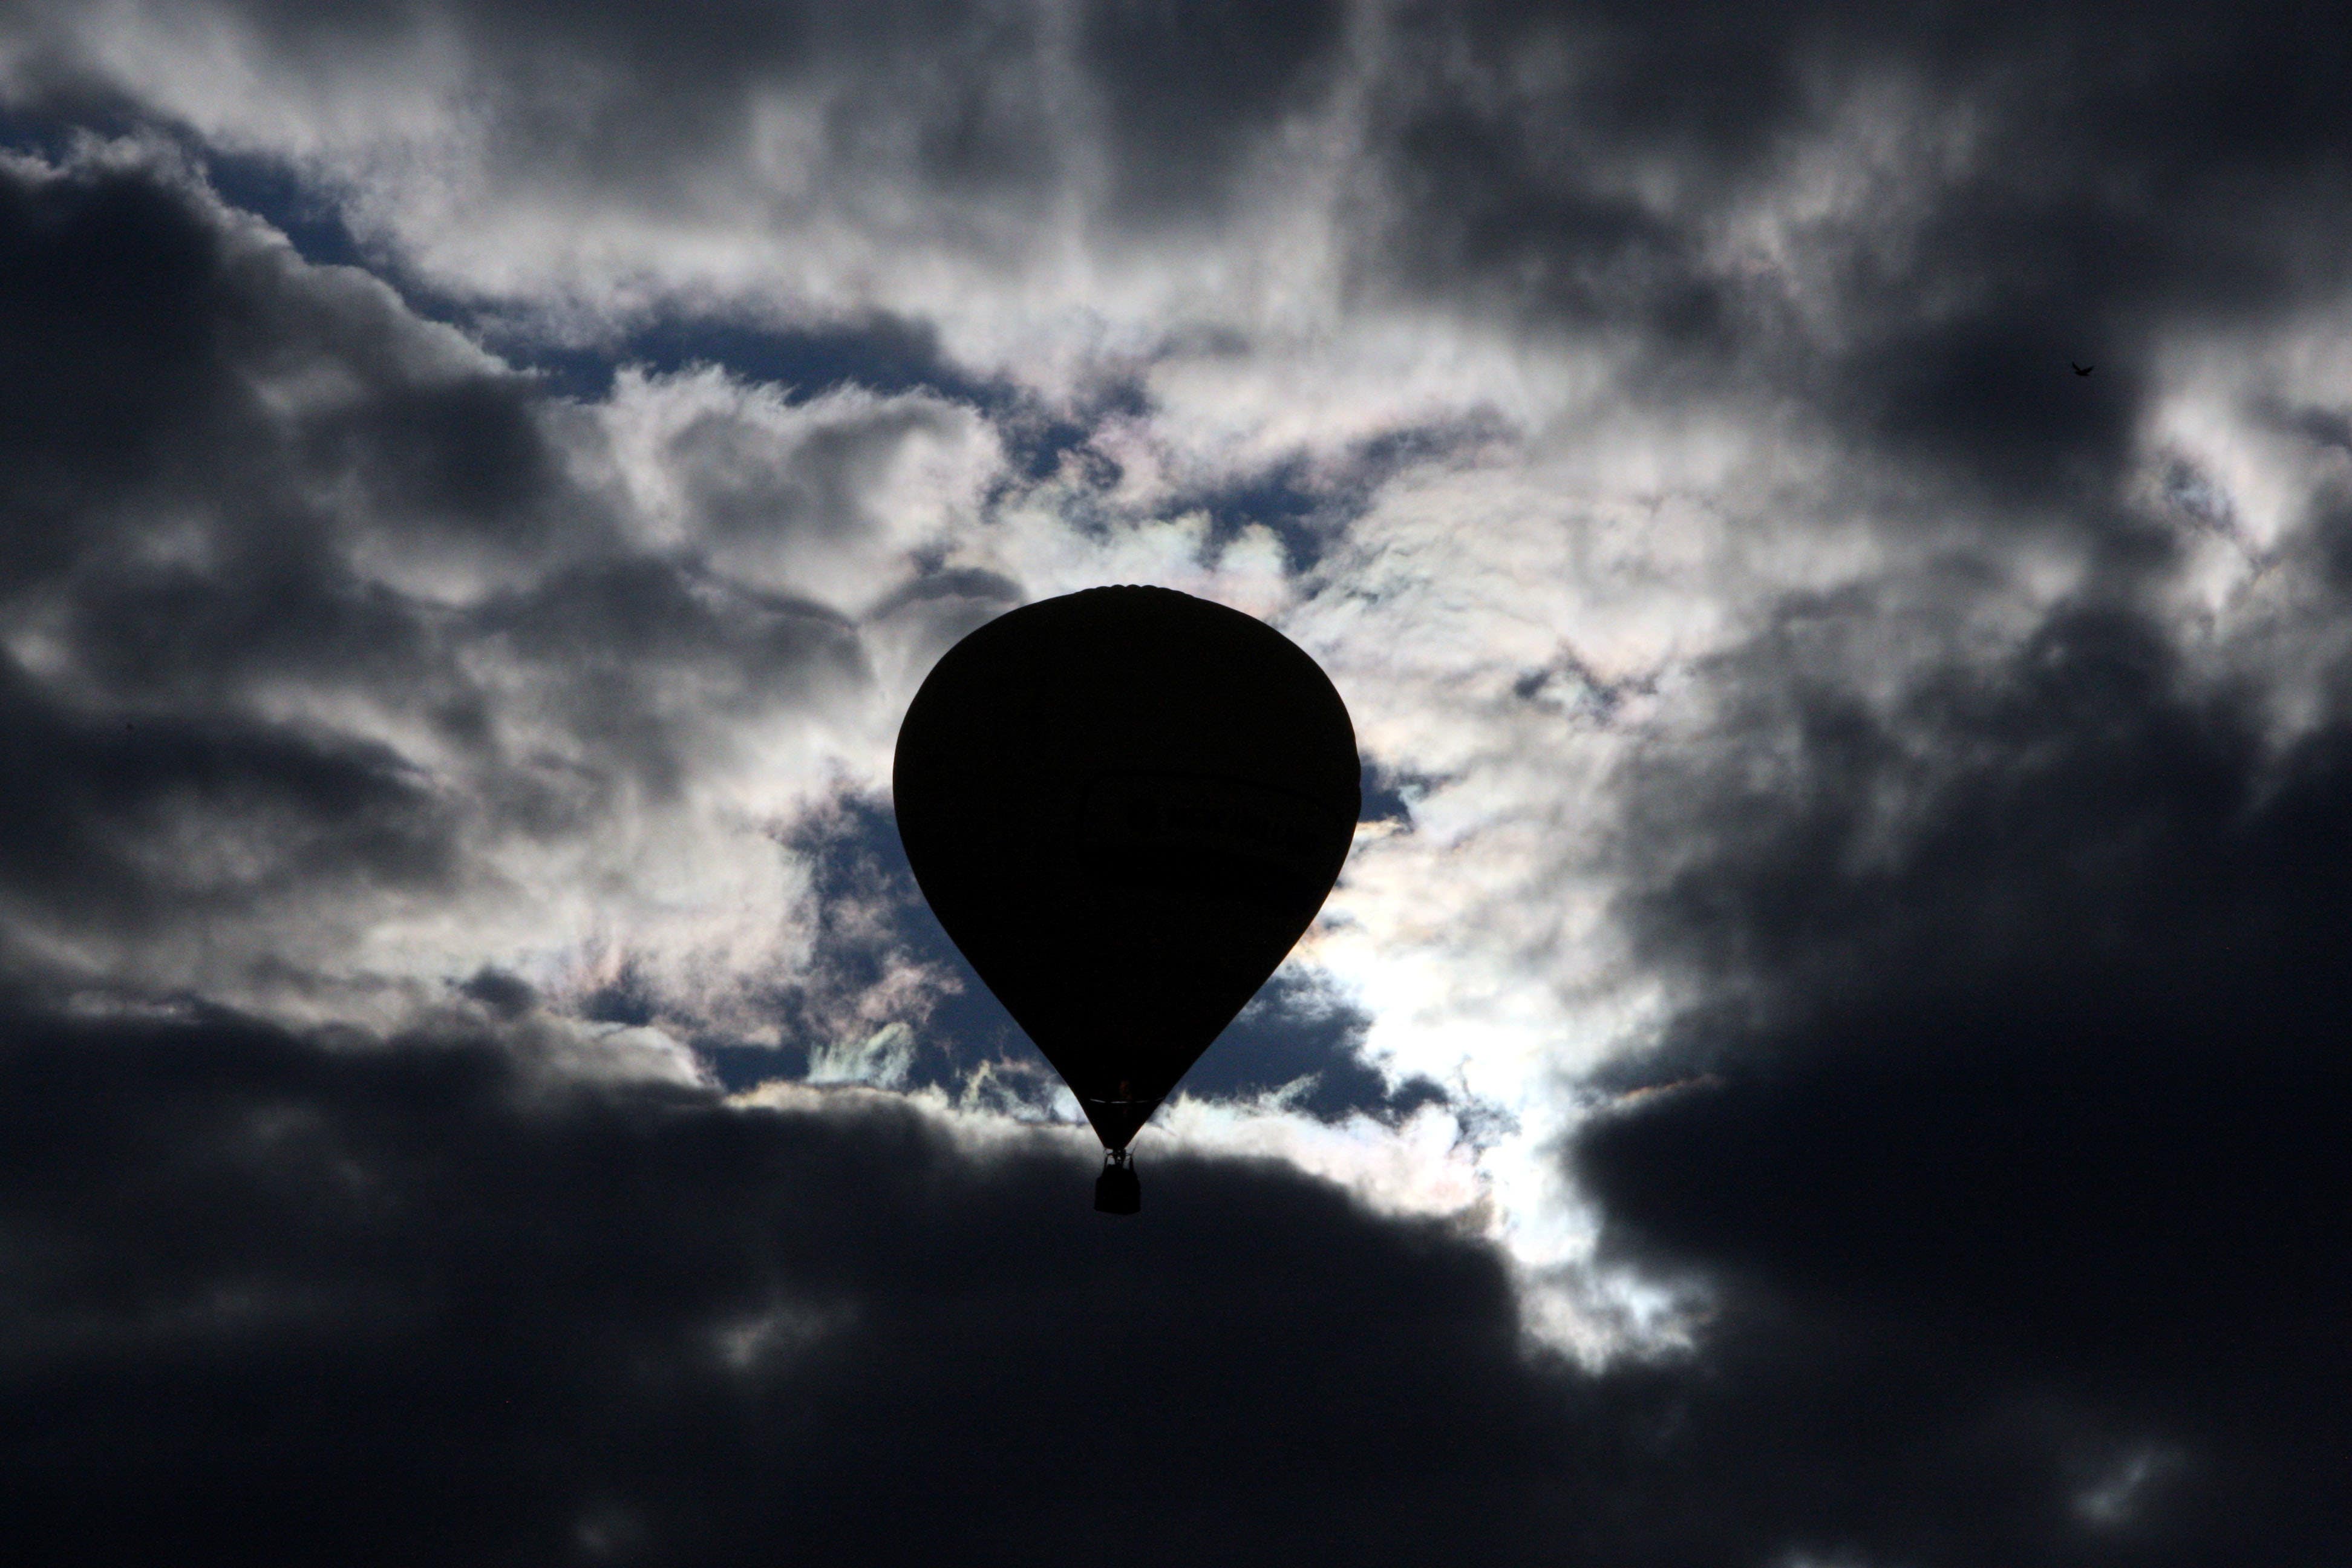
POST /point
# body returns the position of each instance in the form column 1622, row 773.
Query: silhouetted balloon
column 1126, row 805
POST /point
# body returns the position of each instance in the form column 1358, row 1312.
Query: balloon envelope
column 1126, row 805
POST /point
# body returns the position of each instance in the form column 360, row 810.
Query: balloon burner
column 1116, row 1190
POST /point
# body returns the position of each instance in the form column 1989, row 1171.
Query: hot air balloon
column 1126, row 805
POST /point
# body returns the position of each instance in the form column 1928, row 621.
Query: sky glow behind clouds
column 1828, row 1039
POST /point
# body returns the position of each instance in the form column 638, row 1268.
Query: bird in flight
column 2083, row 369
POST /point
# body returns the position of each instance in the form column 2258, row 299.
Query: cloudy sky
column 1827, row 1052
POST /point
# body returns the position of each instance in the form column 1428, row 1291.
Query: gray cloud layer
column 1872, row 799
column 314, row 606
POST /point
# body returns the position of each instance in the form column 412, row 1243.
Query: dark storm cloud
column 964, row 101
column 467, row 449
column 159, row 522
column 631, row 630
column 376, row 1301
column 364, row 1305
column 2004, row 193
column 140, row 382
column 627, row 95
column 1186, row 90
column 137, row 825
column 257, row 520
column 2126, row 146
column 739, row 490
column 163, row 489
column 627, row 107
column 2013, row 1072
column 2127, row 171
column 2000, row 1132
column 954, row 95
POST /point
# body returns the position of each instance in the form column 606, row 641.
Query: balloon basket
column 1117, row 1191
